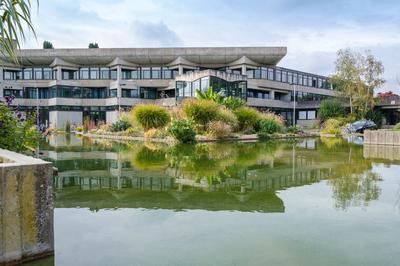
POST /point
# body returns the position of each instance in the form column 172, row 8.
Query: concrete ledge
column 26, row 205
column 382, row 137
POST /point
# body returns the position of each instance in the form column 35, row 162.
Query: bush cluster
column 331, row 108
column 201, row 111
column 247, row 118
column 268, row 126
column 183, row 130
column 219, row 129
column 332, row 126
column 120, row 125
column 150, row 116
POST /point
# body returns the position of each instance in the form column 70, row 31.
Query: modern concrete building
column 72, row 84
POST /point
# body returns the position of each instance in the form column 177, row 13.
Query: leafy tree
column 15, row 20
column 93, row 45
column 331, row 108
column 357, row 76
column 47, row 45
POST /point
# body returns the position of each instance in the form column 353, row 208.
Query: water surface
column 309, row 202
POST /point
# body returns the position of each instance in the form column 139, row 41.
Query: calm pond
column 306, row 202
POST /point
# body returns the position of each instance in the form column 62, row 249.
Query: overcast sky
column 311, row 30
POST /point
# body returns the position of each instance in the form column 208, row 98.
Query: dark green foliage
column 375, row 116
column 293, row 129
column 233, row 103
column 183, row 131
column 151, row 116
column 331, row 108
column 93, row 45
column 47, row 45
column 201, row 111
column 268, row 127
column 120, row 125
column 17, row 134
column 247, row 118
column 68, row 127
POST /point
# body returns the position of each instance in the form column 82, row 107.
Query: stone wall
column 382, row 137
column 26, row 208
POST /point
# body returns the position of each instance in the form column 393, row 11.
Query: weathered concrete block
column 367, row 136
column 381, row 139
column 26, row 208
column 396, row 138
column 389, row 137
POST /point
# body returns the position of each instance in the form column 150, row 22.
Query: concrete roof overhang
column 206, row 56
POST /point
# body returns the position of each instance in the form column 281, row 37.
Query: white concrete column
column 119, row 79
column 59, row 73
column 244, row 70
column 180, row 69
column 272, row 95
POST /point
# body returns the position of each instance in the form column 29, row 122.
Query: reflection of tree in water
column 353, row 183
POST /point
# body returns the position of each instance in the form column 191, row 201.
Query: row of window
column 289, row 76
column 81, row 92
column 149, row 73
column 306, row 96
column 90, row 73
column 37, row 73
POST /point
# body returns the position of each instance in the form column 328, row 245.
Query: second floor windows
column 37, row 73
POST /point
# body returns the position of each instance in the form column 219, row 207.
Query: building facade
column 99, row 83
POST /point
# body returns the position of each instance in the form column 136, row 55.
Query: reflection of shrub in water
column 150, row 159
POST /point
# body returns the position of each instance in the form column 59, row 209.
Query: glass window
column 270, row 74
column 146, row 73
column 187, row 90
column 196, row 85
column 204, row 84
column 290, row 77
column 167, row 73
column 250, row 74
column 264, row 73
column 113, row 74
column 84, row 73
column 311, row 115
column 126, row 74
column 8, row 75
column 38, row 73
column 27, row 73
column 300, row 79
column 257, row 73
column 48, row 73
column 94, row 73
column 284, row 76
column 302, row 115
column 148, row 93
column 104, row 73
column 155, row 72
column 113, row 93
column 278, row 75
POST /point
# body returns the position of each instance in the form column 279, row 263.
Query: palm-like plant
column 15, row 19
column 210, row 95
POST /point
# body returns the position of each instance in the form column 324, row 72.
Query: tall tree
column 48, row 45
column 357, row 76
column 15, row 21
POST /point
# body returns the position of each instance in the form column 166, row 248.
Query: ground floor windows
column 307, row 115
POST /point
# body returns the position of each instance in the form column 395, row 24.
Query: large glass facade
column 188, row 89
column 289, row 76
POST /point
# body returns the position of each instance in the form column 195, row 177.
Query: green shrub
column 331, row 108
column 150, row 116
column 218, row 129
column 332, row 126
column 268, row 127
column 294, row 129
column 120, row 125
column 375, row 116
column 201, row 111
column 79, row 129
column 397, row 127
column 233, row 103
column 247, row 117
column 16, row 133
column 67, row 127
column 183, row 130
column 228, row 117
